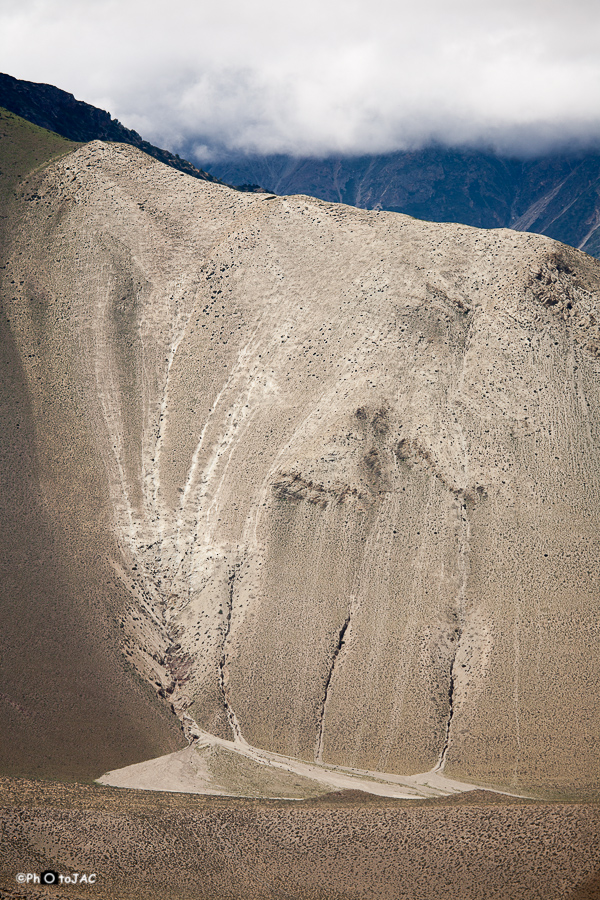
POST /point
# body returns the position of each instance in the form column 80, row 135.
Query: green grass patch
column 24, row 147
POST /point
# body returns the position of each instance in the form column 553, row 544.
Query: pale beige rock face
column 351, row 461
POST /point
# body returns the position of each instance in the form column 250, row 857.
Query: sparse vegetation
column 342, row 846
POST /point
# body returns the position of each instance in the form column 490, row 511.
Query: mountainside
column 70, row 706
column 328, row 477
column 558, row 195
column 58, row 111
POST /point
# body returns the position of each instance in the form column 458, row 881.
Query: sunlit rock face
column 346, row 464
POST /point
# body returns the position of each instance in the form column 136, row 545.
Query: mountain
column 60, row 112
column 556, row 195
column 305, row 480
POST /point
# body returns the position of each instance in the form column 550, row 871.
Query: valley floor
column 169, row 846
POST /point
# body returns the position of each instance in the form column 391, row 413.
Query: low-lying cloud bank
column 347, row 77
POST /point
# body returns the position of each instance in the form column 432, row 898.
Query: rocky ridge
column 58, row 111
column 557, row 194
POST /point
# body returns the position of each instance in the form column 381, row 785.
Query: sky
column 320, row 77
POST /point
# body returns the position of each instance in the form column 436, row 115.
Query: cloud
column 320, row 77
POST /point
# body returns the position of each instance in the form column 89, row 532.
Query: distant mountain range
column 557, row 195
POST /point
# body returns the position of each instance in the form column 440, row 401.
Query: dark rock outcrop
column 59, row 111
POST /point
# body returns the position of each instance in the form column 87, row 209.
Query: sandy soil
column 193, row 770
column 345, row 846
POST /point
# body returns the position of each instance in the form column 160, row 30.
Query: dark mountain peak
column 59, row 111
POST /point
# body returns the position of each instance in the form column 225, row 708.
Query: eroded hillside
column 345, row 464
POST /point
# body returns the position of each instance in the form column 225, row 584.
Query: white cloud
column 318, row 77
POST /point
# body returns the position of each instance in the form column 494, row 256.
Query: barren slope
column 69, row 704
column 344, row 463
